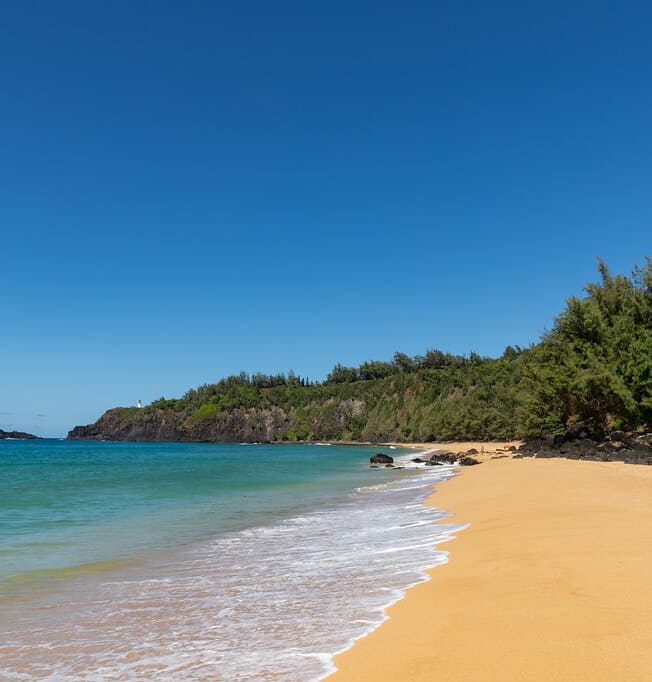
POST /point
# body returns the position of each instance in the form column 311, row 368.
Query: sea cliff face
column 113, row 425
column 240, row 425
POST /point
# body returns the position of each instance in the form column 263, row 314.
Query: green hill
column 595, row 363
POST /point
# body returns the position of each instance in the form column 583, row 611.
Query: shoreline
column 328, row 548
column 550, row 580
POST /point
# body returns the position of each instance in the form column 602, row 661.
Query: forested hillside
column 595, row 363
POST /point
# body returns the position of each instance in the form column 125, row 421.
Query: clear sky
column 190, row 189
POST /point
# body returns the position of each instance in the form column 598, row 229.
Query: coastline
column 231, row 571
column 550, row 581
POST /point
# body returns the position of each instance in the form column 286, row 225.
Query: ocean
column 168, row 561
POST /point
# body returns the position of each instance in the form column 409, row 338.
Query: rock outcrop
column 20, row 435
column 380, row 458
column 117, row 424
column 586, row 441
column 238, row 425
column 461, row 458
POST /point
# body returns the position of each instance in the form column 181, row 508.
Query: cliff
column 593, row 367
column 238, row 425
column 456, row 399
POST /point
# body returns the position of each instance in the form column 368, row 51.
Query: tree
column 403, row 362
column 376, row 370
column 596, row 362
column 341, row 374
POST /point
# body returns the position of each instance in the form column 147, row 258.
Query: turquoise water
column 69, row 503
column 236, row 562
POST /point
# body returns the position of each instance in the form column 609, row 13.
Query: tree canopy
column 595, row 362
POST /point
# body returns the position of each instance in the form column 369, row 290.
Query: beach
column 193, row 561
column 551, row 580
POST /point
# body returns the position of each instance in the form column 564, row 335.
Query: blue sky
column 192, row 189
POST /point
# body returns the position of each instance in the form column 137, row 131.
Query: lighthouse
column 140, row 404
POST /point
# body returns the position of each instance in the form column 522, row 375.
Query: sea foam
column 270, row 602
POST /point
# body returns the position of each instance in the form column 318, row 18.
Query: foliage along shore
column 593, row 367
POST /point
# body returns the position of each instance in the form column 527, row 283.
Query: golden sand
column 551, row 581
column 483, row 448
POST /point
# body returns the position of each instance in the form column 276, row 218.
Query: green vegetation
column 595, row 362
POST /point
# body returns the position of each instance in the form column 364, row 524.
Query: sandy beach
column 552, row 580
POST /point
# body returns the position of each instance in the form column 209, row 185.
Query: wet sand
column 551, row 581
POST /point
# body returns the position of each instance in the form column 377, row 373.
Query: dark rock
column 425, row 457
column 445, row 457
column 20, row 435
column 587, row 446
column 589, row 428
column 617, row 447
column 468, row 461
column 418, row 460
column 472, row 451
column 512, row 448
column 638, row 455
column 380, row 458
column 389, row 466
column 644, row 439
column 433, row 463
column 522, row 453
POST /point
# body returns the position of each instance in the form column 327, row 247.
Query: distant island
column 589, row 377
column 18, row 435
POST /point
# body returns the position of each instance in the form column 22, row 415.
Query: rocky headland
column 585, row 440
column 19, row 435
column 238, row 425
